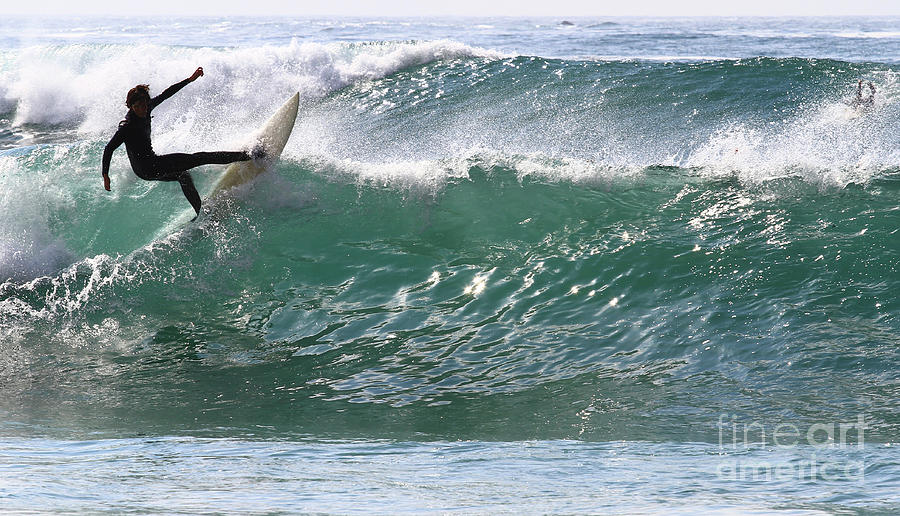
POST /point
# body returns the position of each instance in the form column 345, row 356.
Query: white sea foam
column 828, row 144
column 85, row 85
column 429, row 177
column 424, row 177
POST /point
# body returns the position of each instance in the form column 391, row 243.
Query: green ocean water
column 515, row 298
column 473, row 280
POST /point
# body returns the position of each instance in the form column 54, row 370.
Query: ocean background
column 511, row 265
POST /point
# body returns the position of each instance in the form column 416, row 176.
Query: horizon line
column 61, row 14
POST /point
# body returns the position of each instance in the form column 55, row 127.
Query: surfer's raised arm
column 173, row 89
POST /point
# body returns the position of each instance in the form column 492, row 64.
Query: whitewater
column 623, row 265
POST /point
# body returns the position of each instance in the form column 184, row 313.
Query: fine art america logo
column 786, row 452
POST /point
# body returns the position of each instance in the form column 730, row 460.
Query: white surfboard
column 272, row 136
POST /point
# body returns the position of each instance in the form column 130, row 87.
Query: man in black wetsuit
column 861, row 102
column 134, row 132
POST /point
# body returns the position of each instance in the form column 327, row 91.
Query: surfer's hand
column 197, row 73
column 106, row 183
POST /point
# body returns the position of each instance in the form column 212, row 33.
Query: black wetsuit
column 134, row 132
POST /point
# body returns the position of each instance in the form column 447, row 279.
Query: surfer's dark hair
column 139, row 92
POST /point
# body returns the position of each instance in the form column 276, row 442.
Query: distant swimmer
column 134, row 132
column 861, row 102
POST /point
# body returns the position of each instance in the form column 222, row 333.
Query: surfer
column 861, row 102
column 134, row 132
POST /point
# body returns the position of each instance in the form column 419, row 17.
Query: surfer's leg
column 190, row 191
column 172, row 165
column 220, row 157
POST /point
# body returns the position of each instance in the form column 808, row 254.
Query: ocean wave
column 85, row 84
column 48, row 231
column 419, row 119
column 514, row 277
column 28, row 246
column 339, row 283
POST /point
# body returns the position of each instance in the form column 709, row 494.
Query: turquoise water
column 625, row 265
